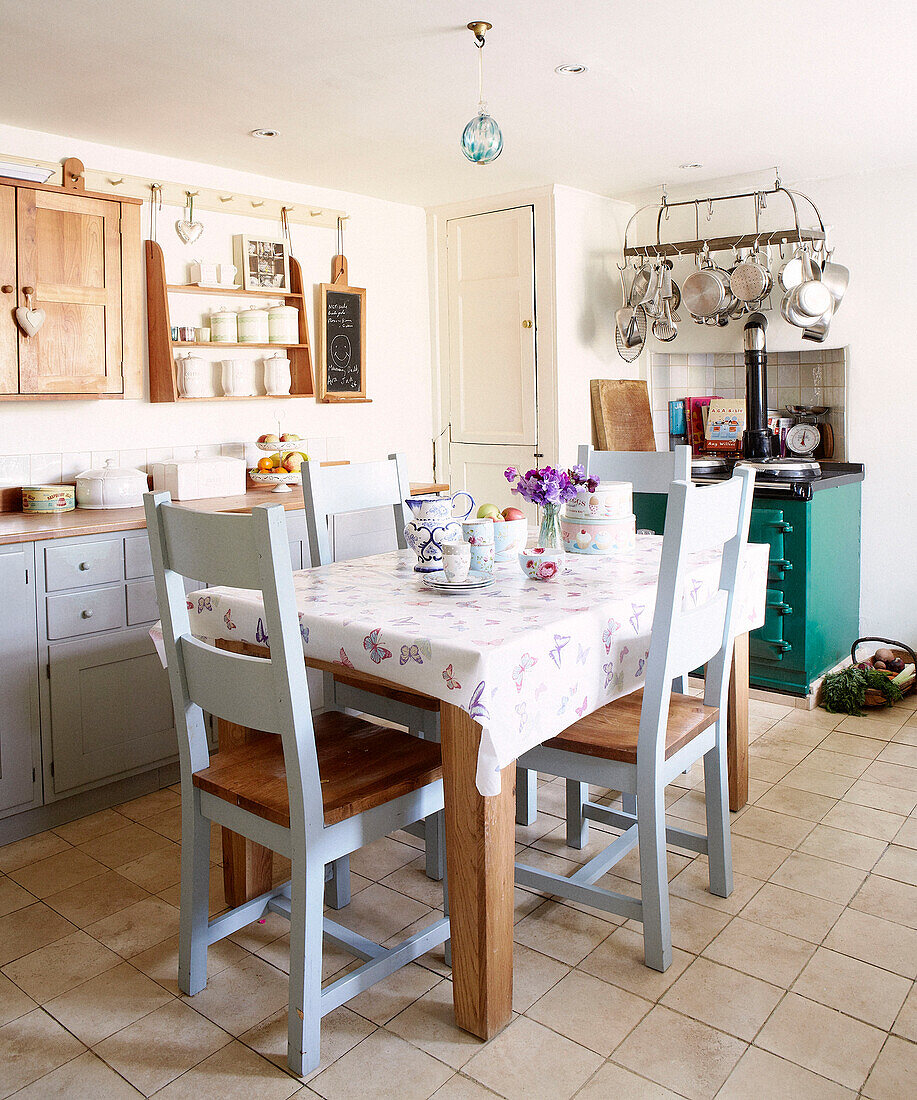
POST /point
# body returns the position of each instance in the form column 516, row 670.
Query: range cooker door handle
column 782, row 525
column 782, row 563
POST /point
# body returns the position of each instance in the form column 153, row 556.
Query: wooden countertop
column 18, row 527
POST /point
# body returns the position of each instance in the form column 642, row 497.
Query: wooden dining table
column 371, row 622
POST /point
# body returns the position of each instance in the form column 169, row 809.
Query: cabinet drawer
column 142, row 605
column 85, row 612
column 137, row 560
column 75, row 566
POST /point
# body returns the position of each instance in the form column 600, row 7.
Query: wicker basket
column 874, row 697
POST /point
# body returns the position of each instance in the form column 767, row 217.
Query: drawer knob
column 85, row 565
column 86, row 613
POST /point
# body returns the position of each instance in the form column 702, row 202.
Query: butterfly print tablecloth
column 524, row 658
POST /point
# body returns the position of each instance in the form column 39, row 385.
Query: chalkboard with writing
column 342, row 343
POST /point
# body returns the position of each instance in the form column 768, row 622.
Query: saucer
column 474, row 581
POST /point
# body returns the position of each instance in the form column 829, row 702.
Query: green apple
column 488, row 511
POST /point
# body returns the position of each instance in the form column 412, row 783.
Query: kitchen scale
column 803, row 438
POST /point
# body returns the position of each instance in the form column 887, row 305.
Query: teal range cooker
column 811, row 524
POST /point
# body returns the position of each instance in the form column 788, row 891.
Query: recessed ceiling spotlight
column 264, row 132
column 690, row 165
column 571, row 70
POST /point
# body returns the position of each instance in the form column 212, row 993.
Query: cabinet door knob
column 7, row 288
column 87, row 614
column 526, row 324
column 85, row 565
column 28, row 291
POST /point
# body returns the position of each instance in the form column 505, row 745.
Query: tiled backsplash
column 790, row 378
column 54, row 469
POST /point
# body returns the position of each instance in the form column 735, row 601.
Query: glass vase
column 549, row 534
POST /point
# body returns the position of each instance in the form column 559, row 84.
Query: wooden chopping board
column 621, row 416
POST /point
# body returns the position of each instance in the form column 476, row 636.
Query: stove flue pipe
column 757, row 440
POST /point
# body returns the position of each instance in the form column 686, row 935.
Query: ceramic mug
column 482, row 558
column 456, row 561
column 432, row 509
column 478, row 532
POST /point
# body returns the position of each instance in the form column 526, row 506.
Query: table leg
column 480, row 846
column 247, row 867
column 737, row 726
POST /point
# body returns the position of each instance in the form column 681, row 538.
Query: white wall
column 588, row 230
column 387, row 253
column 872, row 221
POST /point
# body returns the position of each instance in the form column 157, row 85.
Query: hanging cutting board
column 621, row 416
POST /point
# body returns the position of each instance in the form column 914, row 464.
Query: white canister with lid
column 111, row 487
column 195, row 377
column 224, row 327
column 277, row 375
column 253, row 326
column 283, row 325
column 238, row 378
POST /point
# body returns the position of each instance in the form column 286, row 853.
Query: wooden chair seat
column 611, row 732
column 361, row 766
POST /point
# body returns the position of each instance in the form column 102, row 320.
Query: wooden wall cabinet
column 80, row 254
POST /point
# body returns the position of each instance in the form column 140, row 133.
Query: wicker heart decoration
column 188, row 231
column 30, row 320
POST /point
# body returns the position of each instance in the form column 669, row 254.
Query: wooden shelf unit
column 163, row 380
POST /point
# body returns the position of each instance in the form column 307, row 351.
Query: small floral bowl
column 541, row 564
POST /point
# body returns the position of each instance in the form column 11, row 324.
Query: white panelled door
column 491, row 370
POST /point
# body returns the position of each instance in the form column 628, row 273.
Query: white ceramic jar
column 224, row 327
column 283, row 325
column 278, row 378
column 238, row 378
column 111, row 487
column 253, row 326
column 195, row 377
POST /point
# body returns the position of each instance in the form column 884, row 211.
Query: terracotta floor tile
column 136, row 928
column 762, row 952
column 104, row 1004
column 895, row 1071
column 616, row 1081
column 853, row 987
column 527, row 1052
column 85, row 1076
column 906, row 1024
column 341, row 1030
column 161, row 961
column 792, row 912
column 895, row 753
column 764, row 1076
column 842, row 846
column 31, row 1046
column 13, row 896
column 429, row 1024
column 96, row 898
column 693, row 884
column 884, row 897
column 385, row 1066
column 234, row 1073
column 835, row 762
column 881, row 796
column 59, row 966
column 756, row 858
column 866, row 748
column 892, row 775
column 56, row 873
column 822, row 1040
column 243, row 995
column 88, row 828
column 533, row 975
column 562, row 932
column 693, row 925
column 411, row 880
column 149, row 804
column 898, row 863
column 817, row 780
column 379, row 859
column 906, row 835
column 27, row 929
column 697, row 1060
column 156, row 870
column 168, row 823
column 157, row 1048
column 30, row 850
column 876, row 941
column 393, row 994
column 785, row 799
column 819, row 877
column 125, row 845
column 724, row 998
column 593, row 1013
column 379, row 913
column 864, row 820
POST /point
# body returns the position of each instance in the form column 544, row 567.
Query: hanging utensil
column 836, row 277
column 663, row 327
column 630, row 352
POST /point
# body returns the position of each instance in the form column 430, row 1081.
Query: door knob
column 7, row 288
column 87, row 614
column 28, row 291
column 526, row 324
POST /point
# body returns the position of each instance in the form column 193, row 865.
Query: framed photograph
column 263, row 262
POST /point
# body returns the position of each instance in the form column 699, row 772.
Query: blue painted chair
column 313, row 789
column 640, row 742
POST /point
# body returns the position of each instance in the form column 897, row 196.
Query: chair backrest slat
column 648, row 471
column 247, row 551
column 334, row 490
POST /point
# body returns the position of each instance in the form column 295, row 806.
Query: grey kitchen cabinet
column 20, row 785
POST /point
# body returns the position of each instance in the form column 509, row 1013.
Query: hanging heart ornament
column 28, row 319
column 188, row 229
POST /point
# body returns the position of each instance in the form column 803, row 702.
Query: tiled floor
column 801, row 984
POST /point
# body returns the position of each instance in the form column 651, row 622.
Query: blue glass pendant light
column 482, row 139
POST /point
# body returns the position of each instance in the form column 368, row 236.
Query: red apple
column 289, row 437
column 513, row 513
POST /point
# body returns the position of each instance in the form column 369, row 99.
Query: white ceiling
column 371, row 95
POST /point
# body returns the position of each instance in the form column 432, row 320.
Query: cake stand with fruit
column 283, row 463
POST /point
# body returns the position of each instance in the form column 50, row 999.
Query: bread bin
column 199, row 477
column 110, row 487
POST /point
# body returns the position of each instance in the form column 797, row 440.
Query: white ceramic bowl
column 541, row 564
column 509, row 538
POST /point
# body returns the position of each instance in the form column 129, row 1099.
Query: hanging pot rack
column 700, row 244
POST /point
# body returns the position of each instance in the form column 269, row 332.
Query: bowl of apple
column 283, row 465
column 510, row 530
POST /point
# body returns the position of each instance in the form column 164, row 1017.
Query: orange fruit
column 265, row 464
